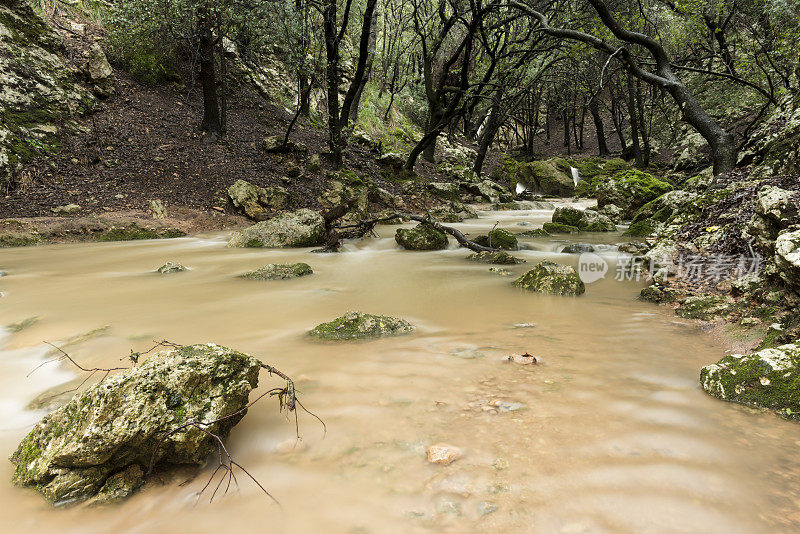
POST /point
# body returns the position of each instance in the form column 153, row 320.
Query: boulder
column 255, row 201
column 548, row 180
column 497, row 258
column 704, row 307
column 584, row 220
column 668, row 205
column 640, row 229
column 630, row 190
column 279, row 271
column 769, row 378
column 776, row 210
column 301, row 228
column 552, row 278
column 577, row 248
column 445, row 190
column 157, row 209
column 171, row 267
column 356, row 325
column 392, row 159
column 537, row 232
column 120, row 424
column 347, row 188
column 99, row 72
column 612, row 211
column 498, row 238
column 421, row 237
column 787, row 257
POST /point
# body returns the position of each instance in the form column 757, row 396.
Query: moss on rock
column 551, row 278
column 356, row 325
column 498, row 238
column 704, row 307
column 558, row 228
column 279, row 271
column 496, row 258
column 421, row 237
column 301, row 228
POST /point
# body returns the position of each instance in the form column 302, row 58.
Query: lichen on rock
column 73, row 453
column 769, row 378
column 357, row 325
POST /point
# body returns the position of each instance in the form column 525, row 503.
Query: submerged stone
column 769, row 378
column 279, row 271
column 118, row 424
column 356, row 325
column 171, row 267
column 422, row 237
column 552, row 278
column 497, row 258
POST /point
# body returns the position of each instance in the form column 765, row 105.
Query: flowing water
column 610, row 433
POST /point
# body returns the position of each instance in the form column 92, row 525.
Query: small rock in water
column 523, row 325
column 443, row 454
column 171, row 267
column 486, row 508
column 523, row 359
column 577, row 248
column 500, row 271
column 357, row 325
column 279, row 271
column 466, row 354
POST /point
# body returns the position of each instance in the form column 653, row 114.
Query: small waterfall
column 576, row 175
column 521, row 188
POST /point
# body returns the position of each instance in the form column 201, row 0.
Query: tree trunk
column 332, row 79
column 594, row 109
column 634, row 122
column 208, row 78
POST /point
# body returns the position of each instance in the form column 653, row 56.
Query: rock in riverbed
column 279, row 271
column 80, row 450
column 421, row 237
column 766, row 379
column 171, row 267
column 356, row 325
column 499, row 238
column 301, row 228
column 443, row 454
column 552, row 278
column 496, row 258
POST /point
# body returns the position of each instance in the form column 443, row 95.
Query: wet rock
column 486, row 508
column 171, row 267
column 499, row 239
column 704, row 307
column 577, row 248
column 612, row 211
column 421, row 237
column 443, row 454
column 585, row 220
column 73, row 453
column 392, row 159
column 552, row 278
column 347, row 187
column 120, row 486
column 279, row 271
column 633, row 247
column 68, row 209
column 661, row 294
column 630, row 190
column 765, row 379
column 640, row 229
column 255, row 201
column 356, row 325
column 301, row 228
column 19, row 326
column 99, row 72
column 523, row 359
column 787, row 257
column 558, row 228
column 668, row 205
column 497, row 258
column 500, row 271
column 549, row 180
column 157, row 209
column 537, row 232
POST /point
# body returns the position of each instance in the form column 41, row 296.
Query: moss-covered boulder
column 497, row 258
column 551, row 278
column 577, row 248
column 498, row 238
column 75, row 452
column 670, row 204
column 584, row 220
column 704, row 307
column 356, row 325
column 301, row 228
column 279, row 271
column 536, row 232
column 630, row 190
column 558, row 228
column 255, row 201
column 444, row 190
column 641, row 228
column 421, row 237
column 549, row 180
column 769, row 378
column 171, row 267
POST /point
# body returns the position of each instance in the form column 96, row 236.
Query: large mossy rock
column 668, row 205
column 39, row 92
column 630, row 190
column 558, row 228
column 551, row 278
column 769, row 379
column 356, row 325
column 279, row 271
column 301, row 228
column 255, row 201
column 704, row 307
column 421, row 237
column 584, row 220
column 347, row 187
column 776, row 210
column 497, row 258
column 499, row 239
column 549, row 180
column 117, row 425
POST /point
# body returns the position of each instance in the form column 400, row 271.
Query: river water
column 609, row 433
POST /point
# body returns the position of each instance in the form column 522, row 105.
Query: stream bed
column 611, row 432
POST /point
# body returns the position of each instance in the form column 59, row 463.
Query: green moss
column 498, row 238
column 640, row 229
column 355, row 326
column 279, row 271
column 497, row 258
column 133, row 232
column 641, row 184
column 558, row 228
column 551, row 278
